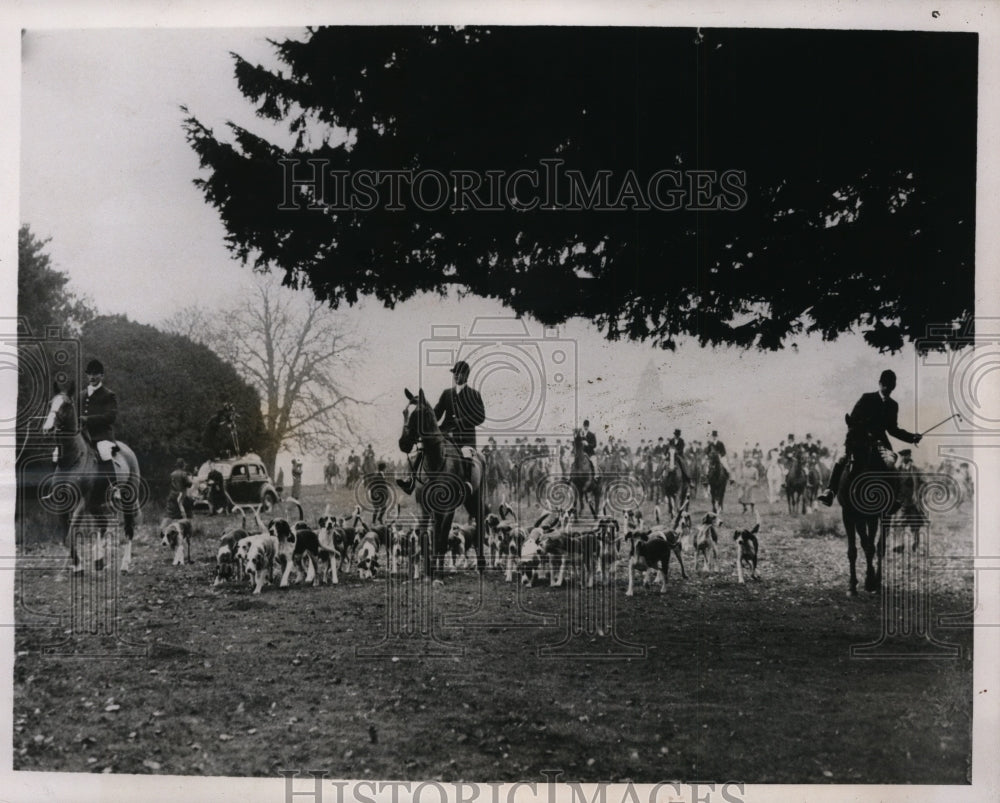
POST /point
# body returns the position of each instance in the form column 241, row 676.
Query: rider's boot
column 468, row 478
column 826, row 497
column 410, row 482
column 107, row 491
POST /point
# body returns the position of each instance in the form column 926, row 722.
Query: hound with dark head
column 227, row 564
column 258, row 554
column 586, row 550
column 498, row 529
column 706, row 541
column 333, row 546
column 366, row 552
column 177, row 535
column 652, row 550
column 342, row 535
column 506, row 540
column 746, row 550
column 299, row 549
column 608, row 535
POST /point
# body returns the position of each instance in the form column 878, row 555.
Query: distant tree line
column 168, row 386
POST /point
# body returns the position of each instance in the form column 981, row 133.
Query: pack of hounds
column 556, row 545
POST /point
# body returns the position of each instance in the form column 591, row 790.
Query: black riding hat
column 94, row 367
column 460, row 367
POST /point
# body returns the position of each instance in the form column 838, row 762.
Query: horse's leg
column 868, row 545
column 73, row 534
column 680, row 560
column 852, row 551
column 101, row 545
column 442, row 528
column 481, row 558
column 882, row 531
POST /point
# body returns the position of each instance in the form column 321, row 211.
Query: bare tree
column 296, row 351
column 193, row 323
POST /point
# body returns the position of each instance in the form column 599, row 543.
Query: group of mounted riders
column 446, row 435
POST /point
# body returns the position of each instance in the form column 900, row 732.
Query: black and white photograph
column 502, row 403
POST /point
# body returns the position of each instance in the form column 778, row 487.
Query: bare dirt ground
column 752, row 683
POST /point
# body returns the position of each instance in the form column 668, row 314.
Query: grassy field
column 712, row 680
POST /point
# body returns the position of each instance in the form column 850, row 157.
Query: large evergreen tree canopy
column 856, row 200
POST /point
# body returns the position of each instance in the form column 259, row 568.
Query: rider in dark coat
column 590, row 445
column 876, row 413
column 98, row 411
column 677, row 442
column 715, row 445
column 463, row 410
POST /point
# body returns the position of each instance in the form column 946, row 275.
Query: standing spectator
column 911, row 510
column 179, row 504
column 379, row 493
column 748, row 479
column 296, row 477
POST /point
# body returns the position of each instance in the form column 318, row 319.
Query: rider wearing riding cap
column 98, row 411
column 589, row 444
column 677, row 443
column 875, row 413
column 462, row 409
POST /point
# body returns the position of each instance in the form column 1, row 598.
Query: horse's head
column 62, row 412
column 418, row 420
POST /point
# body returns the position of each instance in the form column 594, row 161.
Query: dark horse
column 796, row 482
column 78, row 468
column 718, row 481
column 867, row 494
column 440, row 486
column 583, row 478
column 674, row 485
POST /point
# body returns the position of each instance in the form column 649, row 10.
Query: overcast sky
column 107, row 174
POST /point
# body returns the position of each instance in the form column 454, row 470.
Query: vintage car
column 244, row 480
